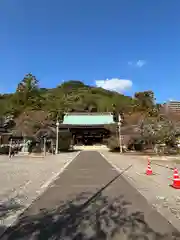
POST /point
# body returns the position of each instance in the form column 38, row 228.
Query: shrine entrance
column 88, row 128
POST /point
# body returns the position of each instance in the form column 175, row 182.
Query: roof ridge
column 88, row 113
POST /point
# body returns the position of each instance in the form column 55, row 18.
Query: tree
column 71, row 86
column 27, row 91
column 156, row 131
column 28, row 84
column 146, row 99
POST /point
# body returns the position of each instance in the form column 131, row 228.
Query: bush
column 14, row 150
column 35, row 147
column 4, row 150
column 138, row 144
column 113, row 143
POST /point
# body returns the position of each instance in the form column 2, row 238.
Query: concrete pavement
column 65, row 212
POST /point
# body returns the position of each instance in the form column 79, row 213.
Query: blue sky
column 96, row 41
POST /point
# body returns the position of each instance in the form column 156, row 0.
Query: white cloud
column 115, row 84
column 139, row 63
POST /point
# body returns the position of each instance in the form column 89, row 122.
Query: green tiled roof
column 88, row 119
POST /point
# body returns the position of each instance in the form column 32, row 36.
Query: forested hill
column 69, row 96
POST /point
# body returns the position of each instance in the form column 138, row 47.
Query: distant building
column 173, row 106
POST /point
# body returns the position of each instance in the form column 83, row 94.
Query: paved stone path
column 68, row 211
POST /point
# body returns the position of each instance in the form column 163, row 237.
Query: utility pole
column 119, row 130
column 57, row 136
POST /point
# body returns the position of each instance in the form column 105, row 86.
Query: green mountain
column 40, row 105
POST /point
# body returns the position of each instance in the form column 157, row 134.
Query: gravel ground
column 154, row 188
column 23, row 179
column 73, row 208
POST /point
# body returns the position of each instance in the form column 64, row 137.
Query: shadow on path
column 102, row 218
column 8, row 209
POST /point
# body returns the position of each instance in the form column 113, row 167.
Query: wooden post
column 10, row 148
column 44, row 146
column 52, row 149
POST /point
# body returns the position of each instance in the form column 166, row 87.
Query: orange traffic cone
column 149, row 169
column 176, row 179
